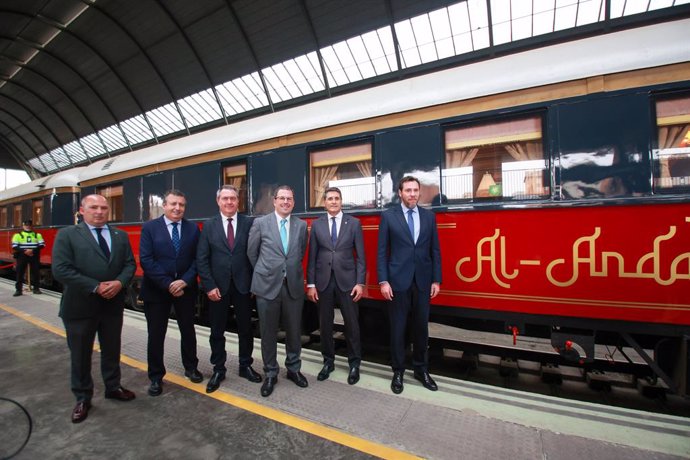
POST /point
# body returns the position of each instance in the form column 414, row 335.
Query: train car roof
column 67, row 178
column 643, row 47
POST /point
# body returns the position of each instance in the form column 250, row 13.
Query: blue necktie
column 410, row 222
column 102, row 243
column 283, row 235
column 176, row 238
column 334, row 232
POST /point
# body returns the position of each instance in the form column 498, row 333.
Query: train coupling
column 573, row 345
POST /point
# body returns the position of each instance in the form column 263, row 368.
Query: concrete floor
column 327, row 420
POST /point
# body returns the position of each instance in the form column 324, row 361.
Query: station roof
column 81, row 80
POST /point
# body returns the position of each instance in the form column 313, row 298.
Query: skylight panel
column 74, row 151
column 276, row 87
column 200, row 108
column 362, row 60
column 440, row 26
column 479, row 23
column 37, row 165
column 61, row 157
column 48, row 163
column 544, row 17
column 306, row 73
column 137, row 130
column 347, row 60
column 242, row 94
column 165, row 120
column 565, row 14
column 380, row 49
column 590, row 11
column 93, row 145
column 113, row 138
column 334, row 69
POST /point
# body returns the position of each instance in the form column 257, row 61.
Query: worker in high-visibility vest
column 27, row 246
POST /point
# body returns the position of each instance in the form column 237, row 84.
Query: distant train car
column 50, row 202
column 561, row 191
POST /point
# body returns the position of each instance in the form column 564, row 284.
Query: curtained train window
column 503, row 159
column 115, row 197
column 346, row 166
column 37, row 211
column 3, row 217
column 236, row 174
column 672, row 155
column 17, row 215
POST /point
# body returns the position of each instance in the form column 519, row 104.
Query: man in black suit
column 409, row 272
column 335, row 275
column 226, row 276
column 94, row 263
column 167, row 254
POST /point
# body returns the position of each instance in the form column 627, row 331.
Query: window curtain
column 460, row 158
column 364, row 168
column 235, row 182
column 322, row 176
column 523, row 151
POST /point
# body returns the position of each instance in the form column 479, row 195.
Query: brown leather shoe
column 121, row 394
column 81, row 411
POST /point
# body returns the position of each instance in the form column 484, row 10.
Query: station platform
column 329, row 419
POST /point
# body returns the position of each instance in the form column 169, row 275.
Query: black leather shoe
column 298, row 378
column 250, row 374
column 353, row 376
column 214, row 382
column 325, row 372
column 17, row 294
column 397, row 382
column 121, row 394
column 267, row 387
column 426, row 380
column 37, row 291
column 156, row 388
column 194, row 375
column 80, row 411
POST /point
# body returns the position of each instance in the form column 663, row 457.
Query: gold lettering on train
column 488, row 244
column 584, row 258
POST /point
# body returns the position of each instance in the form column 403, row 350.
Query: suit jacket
column 399, row 259
column 161, row 265
column 216, row 263
column 271, row 264
column 80, row 265
column 345, row 260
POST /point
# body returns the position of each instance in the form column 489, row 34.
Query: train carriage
column 560, row 191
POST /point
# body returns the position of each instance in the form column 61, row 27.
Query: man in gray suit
column 276, row 246
column 94, row 263
column 335, row 274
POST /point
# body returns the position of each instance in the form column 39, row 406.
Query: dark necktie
column 334, row 232
column 102, row 243
column 231, row 234
column 410, row 222
column 175, row 238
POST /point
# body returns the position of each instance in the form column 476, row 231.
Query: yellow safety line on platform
column 331, row 434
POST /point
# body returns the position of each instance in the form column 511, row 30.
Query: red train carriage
column 561, row 197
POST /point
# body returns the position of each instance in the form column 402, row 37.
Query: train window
column 500, row 159
column 17, row 215
column 3, row 217
column 347, row 167
column 37, row 212
column 236, row 175
column 672, row 157
column 114, row 195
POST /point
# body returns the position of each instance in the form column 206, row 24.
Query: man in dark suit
column 94, row 263
column 335, row 275
column 276, row 247
column 226, row 276
column 409, row 272
column 167, row 254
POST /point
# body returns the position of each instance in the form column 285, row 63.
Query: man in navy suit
column 226, row 276
column 409, row 272
column 167, row 254
column 335, row 275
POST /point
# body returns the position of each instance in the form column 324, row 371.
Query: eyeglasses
column 284, row 198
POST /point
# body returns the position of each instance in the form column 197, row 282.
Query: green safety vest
column 27, row 240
